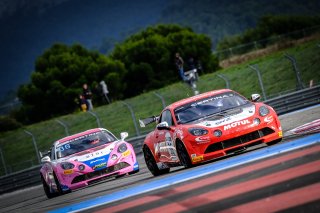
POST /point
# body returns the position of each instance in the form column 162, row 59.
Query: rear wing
column 149, row 120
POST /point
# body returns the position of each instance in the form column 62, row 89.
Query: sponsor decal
column 97, row 160
column 268, row 119
column 212, row 99
column 222, row 121
column 235, row 124
column 68, row 171
column 168, row 139
column 162, row 165
column 197, row 158
column 126, row 153
column 93, row 161
column 202, row 139
column 280, row 134
column 99, row 166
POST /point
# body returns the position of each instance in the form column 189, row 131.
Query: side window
column 166, row 116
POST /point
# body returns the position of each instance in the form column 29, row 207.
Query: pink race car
column 77, row 161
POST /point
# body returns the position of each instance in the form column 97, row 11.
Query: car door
column 165, row 149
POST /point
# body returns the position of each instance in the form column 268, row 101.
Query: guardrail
column 282, row 104
column 295, row 100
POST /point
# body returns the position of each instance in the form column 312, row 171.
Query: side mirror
column 123, row 135
column 45, row 159
column 163, row 126
column 255, row 97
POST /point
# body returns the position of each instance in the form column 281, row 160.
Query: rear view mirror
column 255, row 97
column 123, row 135
column 45, row 159
column 163, row 126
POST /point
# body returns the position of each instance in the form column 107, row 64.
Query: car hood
column 215, row 121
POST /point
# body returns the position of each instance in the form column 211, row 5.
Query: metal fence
column 280, row 40
column 257, row 76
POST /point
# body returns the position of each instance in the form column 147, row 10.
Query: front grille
column 214, row 147
column 101, row 172
column 239, row 140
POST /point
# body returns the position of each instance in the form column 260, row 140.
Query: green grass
column 277, row 75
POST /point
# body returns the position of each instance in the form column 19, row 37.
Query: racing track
column 286, row 182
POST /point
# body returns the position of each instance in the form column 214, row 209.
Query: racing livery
column 84, row 158
column 208, row 126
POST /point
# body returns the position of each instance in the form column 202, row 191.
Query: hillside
column 277, row 75
column 219, row 19
column 30, row 27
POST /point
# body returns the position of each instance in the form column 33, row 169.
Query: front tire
column 183, row 155
column 151, row 163
column 46, row 189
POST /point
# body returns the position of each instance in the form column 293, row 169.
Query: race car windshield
column 84, row 142
column 209, row 107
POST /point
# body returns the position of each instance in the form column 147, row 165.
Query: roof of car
column 198, row 97
column 62, row 140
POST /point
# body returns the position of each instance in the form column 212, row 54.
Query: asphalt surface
column 200, row 198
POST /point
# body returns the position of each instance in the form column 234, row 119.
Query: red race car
column 208, row 126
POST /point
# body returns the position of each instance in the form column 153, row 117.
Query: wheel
column 183, row 155
column 151, row 163
column 46, row 188
column 60, row 191
column 274, row 142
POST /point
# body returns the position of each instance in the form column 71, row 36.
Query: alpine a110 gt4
column 84, row 158
column 206, row 127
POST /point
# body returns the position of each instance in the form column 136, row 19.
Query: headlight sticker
column 68, row 171
column 268, row 119
column 197, row 159
column 126, row 153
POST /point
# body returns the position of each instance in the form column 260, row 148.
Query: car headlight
column 114, row 157
column 122, row 148
column 81, row 167
column 217, row 133
column 263, row 111
column 256, row 121
column 198, row 131
column 67, row 165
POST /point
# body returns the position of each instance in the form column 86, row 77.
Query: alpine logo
column 235, row 124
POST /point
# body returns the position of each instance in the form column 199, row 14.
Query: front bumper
column 232, row 142
column 78, row 179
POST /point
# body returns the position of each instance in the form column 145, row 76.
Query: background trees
column 143, row 62
column 269, row 26
column 149, row 56
column 58, row 78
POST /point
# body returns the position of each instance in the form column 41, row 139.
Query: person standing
column 104, row 90
column 83, row 103
column 88, row 96
column 179, row 64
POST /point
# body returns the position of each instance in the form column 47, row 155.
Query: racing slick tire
column 46, row 189
column 183, row 155
column 60, row 191
column 151, row 163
